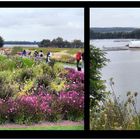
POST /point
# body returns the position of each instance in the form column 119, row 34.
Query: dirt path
column 72, row 66
column 42, row 124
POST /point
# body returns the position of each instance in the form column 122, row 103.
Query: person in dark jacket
column 24, row 53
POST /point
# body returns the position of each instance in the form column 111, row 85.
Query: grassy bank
column 66, row 55
column 53, row 50
column 79, row 127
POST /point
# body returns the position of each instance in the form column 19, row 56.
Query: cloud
column 115, row 17
column 34, row 23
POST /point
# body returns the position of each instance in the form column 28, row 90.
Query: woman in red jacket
column 78, row 58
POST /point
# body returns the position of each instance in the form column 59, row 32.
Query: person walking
column 78, row 58
column 24, row 53
column 41, row 55
column 36, row 55
column 49, row 54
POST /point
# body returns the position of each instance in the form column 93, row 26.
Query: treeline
column 56, row 43
column 21, row 42
column 112, row 29
column 60, row 43
column 115, row 35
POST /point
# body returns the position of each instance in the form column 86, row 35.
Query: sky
column 35, row 24
column 115, row 17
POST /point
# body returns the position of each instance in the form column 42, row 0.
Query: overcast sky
column 35, row 24
column 115, row 17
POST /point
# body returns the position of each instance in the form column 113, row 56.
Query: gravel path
column 73, row 67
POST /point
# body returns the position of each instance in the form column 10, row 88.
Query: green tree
column 97, row 85
column 77, row 43
column 58, row 42
column 1, row 42
column 45, row 43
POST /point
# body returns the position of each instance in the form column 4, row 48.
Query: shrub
column 7, row 64
column 31, row 93
column 73, row 105
column 43, row 81
column 116, row 116
column 2, row 58
column 29, row 110
column 24, row 74
column 15, row 50
column 97, row 85
column 74, row 76
column 46, row 69
column 27, row 62
column 3, row 112
column 57, row 85
column 6, row 88
column 66, row 59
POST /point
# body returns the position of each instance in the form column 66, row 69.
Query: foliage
column 73, row 105
column 97, row 86
column 15, row 50
column 117, row 115
column 15, row 62
column 6, row 88
column 60, row 43
column 114, row 35
column 57, row 85
column 7, row 64
column 24, row 74
column 66, row 59
column 30, row 92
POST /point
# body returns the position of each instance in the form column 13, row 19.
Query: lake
column 15, row 45
column 124, row 68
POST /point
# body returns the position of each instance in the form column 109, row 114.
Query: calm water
column 124, row 67
column 10, row 46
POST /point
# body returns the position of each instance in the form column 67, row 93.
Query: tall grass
column 114, row 114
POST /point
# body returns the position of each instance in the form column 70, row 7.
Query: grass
column 79, row 127
column 53, row 50
column 69, row 64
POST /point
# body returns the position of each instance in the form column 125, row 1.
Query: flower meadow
column 32, row 92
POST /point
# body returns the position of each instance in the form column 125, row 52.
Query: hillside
column 112, row 29
column 115, row 33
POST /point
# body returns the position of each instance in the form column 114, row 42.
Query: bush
column 73, row 105
column 25, row 74
column 28, row 110
column 3, row 112
column 31, row 93
column 57, row 85
column 7, row 89
column 67, row 59
column 15, row 50
column 7, row 64
column 2, row 58
column 97, row 85
column 27, row 62
column 116, row 115
column 43, row 81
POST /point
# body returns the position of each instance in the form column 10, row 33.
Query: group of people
column 80, row 57
column 38, row 55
